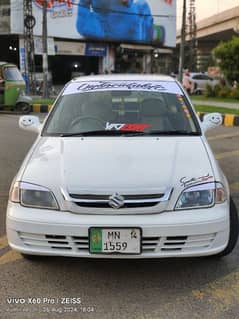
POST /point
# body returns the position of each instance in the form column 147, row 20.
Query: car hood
column 129, row 164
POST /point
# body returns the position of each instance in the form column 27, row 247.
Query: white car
column 121, row 168
column 200, row 82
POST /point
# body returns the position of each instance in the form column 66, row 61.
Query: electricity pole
column 44, row 50
column 29, row 65
column 182, row 44
column 192, row 35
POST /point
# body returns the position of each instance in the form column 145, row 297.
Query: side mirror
column 30, row 123
column 210, row 121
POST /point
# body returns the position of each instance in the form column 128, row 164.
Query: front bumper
column 198, row 232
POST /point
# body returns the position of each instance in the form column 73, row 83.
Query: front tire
column 233, row 236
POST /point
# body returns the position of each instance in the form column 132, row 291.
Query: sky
column 206, row 8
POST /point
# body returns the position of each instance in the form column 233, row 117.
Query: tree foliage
column 227, row 55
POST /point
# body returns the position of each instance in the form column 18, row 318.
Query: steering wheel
column 77, row 120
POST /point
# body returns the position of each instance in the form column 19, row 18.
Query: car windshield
column 108, row 109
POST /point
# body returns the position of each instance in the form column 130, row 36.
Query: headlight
column 202, row 195
column 32, row 195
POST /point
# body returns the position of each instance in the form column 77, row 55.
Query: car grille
column 93, row 200
column 106, row 197
column 128, row 200
column 149, row 244
column 106, row 205
column 187, row 243
column 54, row 242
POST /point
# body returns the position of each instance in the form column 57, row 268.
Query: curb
column 41, row 108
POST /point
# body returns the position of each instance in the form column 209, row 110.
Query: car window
column 12, row 74
column 205, row 77
column 197, row 77
column 201, row 77
column 135, row 110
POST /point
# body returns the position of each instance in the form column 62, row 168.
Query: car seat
column 155, row 112
column 94, row 113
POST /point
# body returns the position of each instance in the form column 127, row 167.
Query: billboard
column 133, row 21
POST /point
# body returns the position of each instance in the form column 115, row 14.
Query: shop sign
column 95, row 49
column 38, row 46
column 22, row 57
column 69, row 48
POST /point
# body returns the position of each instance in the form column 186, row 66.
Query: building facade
column 210, row 32
column 92, row 36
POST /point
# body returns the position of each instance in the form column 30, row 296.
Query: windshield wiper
column 174, row 132
column 104, row 133
column 129, row 133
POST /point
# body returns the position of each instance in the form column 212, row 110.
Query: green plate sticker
column 96, row 240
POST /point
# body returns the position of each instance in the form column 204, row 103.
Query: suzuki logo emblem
column 116, row 200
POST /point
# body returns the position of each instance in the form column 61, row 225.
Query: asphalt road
column 79, row 288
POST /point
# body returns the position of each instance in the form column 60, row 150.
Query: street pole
column 44, row 50
column 182, row 45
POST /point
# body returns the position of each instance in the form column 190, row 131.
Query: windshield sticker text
column 115, row 85
column 92, row 86
column 126, row 127
column 185, row 181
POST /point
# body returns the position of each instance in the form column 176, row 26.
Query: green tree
column 227, row 55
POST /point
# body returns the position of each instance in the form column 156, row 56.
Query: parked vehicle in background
column 12, row 89
column 39, row 84
column 200, row 81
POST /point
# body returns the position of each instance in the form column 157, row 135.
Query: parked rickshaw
column 12, row 89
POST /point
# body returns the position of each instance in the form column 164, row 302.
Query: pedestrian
column 187, row 83
column 235, row 85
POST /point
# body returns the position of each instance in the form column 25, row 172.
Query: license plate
column 115, row 240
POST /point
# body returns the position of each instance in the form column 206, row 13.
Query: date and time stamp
column 58, row 305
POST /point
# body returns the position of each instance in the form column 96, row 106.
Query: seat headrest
column 101, row 109
column 153, row 107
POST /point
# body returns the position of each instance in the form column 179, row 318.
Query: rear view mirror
column 30, row 123
column 211, row 120
column 120, row 93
